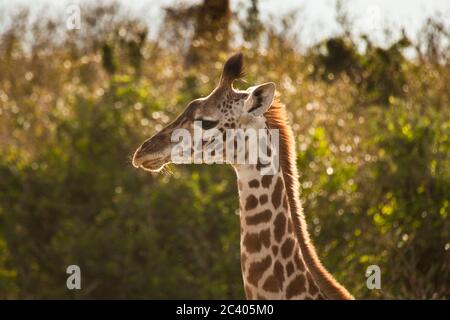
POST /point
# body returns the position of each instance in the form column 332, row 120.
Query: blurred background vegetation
column 372, row 126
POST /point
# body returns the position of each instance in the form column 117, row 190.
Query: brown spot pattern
column 312, row 286
column 265, row 237
column 289, row 268
column 266, row 181
column 256, row 270
column 263, row 199
column 252, row 242
column 275, row 250
column 277, row 192
column 298, row 262
column 272, row 284
column 279, row 226
column 290, row 228
column 251, row 202
column 286, row 248
column 296, row 287
column 253, row 184
column 278, row 271
column 258, row 218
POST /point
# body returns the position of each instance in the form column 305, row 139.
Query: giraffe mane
column 276, row 117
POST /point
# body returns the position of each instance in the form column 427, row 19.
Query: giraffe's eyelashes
column 207, row 124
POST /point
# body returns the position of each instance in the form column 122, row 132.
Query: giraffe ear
column 260, row 98
column 233, row 69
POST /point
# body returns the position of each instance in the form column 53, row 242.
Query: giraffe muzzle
column 151, row 155
column 148, row 162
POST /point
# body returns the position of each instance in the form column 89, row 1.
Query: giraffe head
column 225, row 108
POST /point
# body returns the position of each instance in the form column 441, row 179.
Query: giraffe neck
column 271, row 260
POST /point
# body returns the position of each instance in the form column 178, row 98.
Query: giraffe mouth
column 153, row 165
column 153, row 162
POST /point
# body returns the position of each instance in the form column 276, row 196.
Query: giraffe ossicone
column 278, row 260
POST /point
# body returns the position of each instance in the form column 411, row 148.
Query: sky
column 315, row 20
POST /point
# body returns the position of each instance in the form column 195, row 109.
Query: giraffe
column 278, row 260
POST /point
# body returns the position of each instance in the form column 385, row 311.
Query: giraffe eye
column 207, row 124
